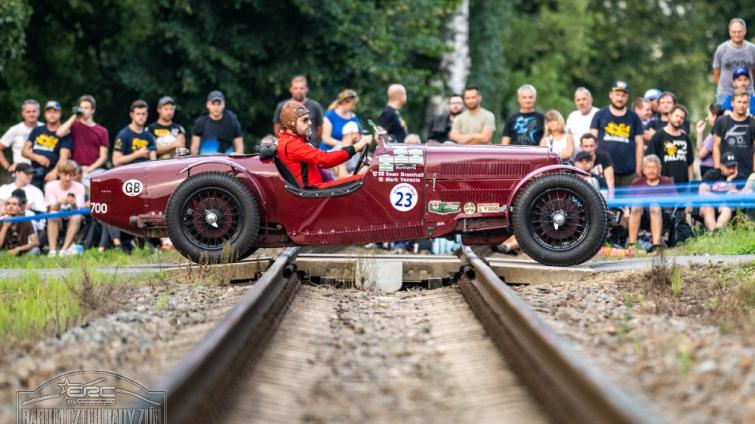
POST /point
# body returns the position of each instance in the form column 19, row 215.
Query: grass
column 32, row 305
column 91, row 257
column 737, row 238
column 721, row 294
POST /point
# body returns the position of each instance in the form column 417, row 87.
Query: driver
column 301, row 158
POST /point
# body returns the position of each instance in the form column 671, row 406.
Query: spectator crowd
column 641, row 148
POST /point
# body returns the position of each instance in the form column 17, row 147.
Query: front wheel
column 212, row 218
column 560, row 220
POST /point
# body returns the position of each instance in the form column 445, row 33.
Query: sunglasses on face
column 305, row 120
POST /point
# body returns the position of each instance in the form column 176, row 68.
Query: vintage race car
column 222, row 208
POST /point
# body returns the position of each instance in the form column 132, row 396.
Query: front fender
column 235, row 167
column 550, row 169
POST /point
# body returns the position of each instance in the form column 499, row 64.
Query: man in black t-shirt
column 735, row 133
column 440, row 126
column 666, row 103
column 525, row 127
column 169, row 135
column 602, row 165
column 45, row 149
column 619, row 133
column 217, row 132
column 720, row 182
column 390, row 119
column 674, row 148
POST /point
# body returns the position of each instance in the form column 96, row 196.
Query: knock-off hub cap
column 211, row 218
column 559, row 218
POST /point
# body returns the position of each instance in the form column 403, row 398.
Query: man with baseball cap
column 45, row 148
column 302, row 159
column 652, row 96
column 35, row 197
column 619, row 133
column 717, row 182
column 219, row 131
column 169, row 135
column 741, row 80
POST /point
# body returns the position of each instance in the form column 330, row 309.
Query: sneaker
column 52, row 253
column 71, row 251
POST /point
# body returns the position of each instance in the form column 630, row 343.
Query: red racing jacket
column 305, row 160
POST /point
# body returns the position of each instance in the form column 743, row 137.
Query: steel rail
column 570, row 386
column 196, row 389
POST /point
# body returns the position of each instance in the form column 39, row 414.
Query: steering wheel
column 360, row 161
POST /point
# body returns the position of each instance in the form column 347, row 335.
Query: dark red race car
column 220, row 208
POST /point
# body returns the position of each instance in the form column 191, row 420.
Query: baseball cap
column 620, row 86
column 739, row 72
column 215, row 95
column 652, row 94
column 165, row 100
column 728, row 159
column 583, row 155
column 52, row 104
column 24, row 167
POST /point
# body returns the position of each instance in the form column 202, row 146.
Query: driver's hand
column 364, row 142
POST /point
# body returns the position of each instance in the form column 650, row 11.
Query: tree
column 14, row 15
column 123, row 50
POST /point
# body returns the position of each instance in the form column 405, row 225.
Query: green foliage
column 14, row 16
column 560, row 45
column 123, row 50
column 486, row 50
column 734, row 239
column 90, row 258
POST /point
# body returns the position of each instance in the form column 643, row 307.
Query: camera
column 77, row 111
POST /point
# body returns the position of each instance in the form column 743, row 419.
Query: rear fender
column 550, row 169
column 212, row 164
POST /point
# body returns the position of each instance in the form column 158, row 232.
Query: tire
column 227, row 224
column 566, row 198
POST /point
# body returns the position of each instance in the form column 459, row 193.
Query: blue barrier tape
column 738, row 200
column 62, row 214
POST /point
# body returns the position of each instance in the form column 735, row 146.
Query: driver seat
column 327, row 189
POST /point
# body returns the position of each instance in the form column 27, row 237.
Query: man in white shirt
column 34, row 196
column 578, row 122
column 16, row 136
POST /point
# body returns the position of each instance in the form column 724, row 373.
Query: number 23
column 406, row 198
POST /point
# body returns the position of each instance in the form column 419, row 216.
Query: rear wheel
column 213, row 218
column 560, row 220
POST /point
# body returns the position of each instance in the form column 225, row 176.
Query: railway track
column 355, row 356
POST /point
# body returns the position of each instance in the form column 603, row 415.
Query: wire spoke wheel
column 558, row 220
column 211, row 218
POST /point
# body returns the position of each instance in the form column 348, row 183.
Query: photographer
column 90, row 140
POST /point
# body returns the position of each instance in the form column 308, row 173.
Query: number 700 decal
column 404, row 197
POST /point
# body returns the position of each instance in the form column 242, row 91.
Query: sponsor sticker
column 469, row 208
column 488, row 208
column 443, row 208
column 133, row 187
column 404, row 197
